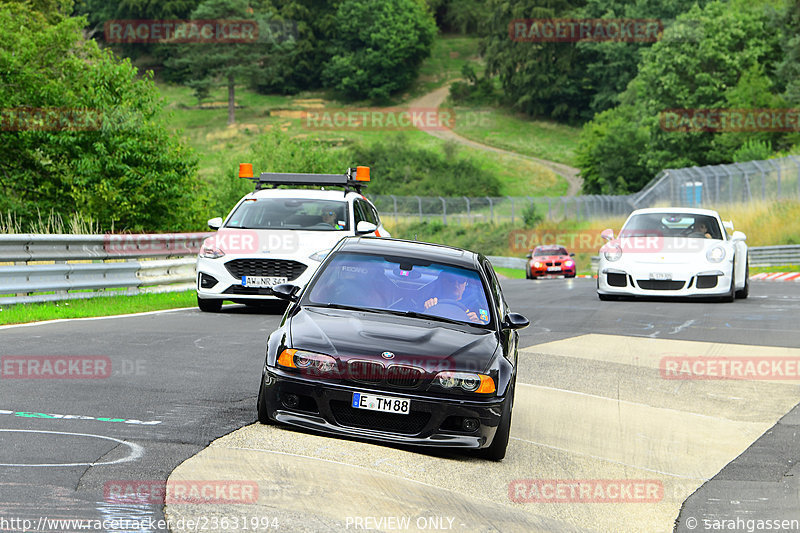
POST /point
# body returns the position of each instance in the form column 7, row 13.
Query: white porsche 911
column 670, row 251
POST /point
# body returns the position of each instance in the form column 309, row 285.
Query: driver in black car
column 449, row 287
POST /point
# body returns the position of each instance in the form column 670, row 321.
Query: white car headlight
column 715, row 254
column 320, row 255
column 613, row 253
column 211, row 253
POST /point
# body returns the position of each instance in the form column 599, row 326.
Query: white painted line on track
column 136, row 450
column 56, row 321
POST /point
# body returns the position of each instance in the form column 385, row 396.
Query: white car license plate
column 262, row 281
column 554, row 269
column 661, row 276
column 385, row 404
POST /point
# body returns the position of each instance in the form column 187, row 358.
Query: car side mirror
column 529, row 256
column 738, row 236
column 515, row 321
column 364, row 227
column 572, row 254
column 286, row 291
column 215, row 223
column 607, row 234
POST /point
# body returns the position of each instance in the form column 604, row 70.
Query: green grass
column 513, row 273
column 450, row 53
column 93, row 307
column 781, row 268
column 538, row 138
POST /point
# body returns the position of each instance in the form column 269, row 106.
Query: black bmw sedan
column 397, row 341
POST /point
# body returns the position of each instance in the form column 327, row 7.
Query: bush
column 380, row 47
column 406, row 170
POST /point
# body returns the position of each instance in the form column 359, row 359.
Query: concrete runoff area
column 676, row 437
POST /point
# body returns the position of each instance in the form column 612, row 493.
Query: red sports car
column 550, row 260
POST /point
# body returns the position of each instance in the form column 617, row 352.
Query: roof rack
column 355, row 178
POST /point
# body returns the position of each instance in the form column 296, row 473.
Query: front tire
column 606, row 297
column 743, row 293
column 209, row 306
column 731, row 296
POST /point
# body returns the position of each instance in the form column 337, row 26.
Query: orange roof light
column 362, row 173
column 245, row 170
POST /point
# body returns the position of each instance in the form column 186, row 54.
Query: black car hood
column 429, row 344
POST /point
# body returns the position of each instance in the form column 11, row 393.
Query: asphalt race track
column 594, row 408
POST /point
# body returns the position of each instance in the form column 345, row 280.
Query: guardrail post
column 549, row 208
column 797, row 163
column 491, row 208
column 512, row 208
column 419, row 201
column 444, row 211
column 469, row 218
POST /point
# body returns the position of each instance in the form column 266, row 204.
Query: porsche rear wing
column 355, row 178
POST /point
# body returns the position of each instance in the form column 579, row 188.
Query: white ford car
column 674, row 252
column 275, row 236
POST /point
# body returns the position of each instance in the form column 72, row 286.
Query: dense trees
column 716, row 57
column 82, row 132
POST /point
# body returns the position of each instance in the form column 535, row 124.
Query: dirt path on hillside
column 435, row 98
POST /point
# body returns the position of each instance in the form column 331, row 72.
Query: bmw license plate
column 661, row 276
column 554, row 269
column 384, row 404
column 262, row 281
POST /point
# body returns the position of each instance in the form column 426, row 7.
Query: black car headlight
column 466, row 381
column 309, row 361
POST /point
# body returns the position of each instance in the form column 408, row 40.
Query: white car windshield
column 672, row 225
column 290, row 213
column 399, row 285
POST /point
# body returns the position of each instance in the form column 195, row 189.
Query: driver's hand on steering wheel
column 473, row 317
column 430, row 303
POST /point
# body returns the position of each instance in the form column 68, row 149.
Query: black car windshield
column 550, row 251
column 672, row 225
column 290, row 213
column 398, row 285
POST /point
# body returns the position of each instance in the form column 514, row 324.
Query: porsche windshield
column 290, row 213
column 672, row 225
column 398, row 285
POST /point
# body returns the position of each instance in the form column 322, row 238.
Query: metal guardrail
column 766, row 256
column 111, row 265
column 95, row 265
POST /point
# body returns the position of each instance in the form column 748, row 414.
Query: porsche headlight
column 715, row 254
column 613, row 253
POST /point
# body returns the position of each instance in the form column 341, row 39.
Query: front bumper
column 635, row 280
column 326, row 407
column 227, row 287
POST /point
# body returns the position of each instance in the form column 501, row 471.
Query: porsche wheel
column 742, row 293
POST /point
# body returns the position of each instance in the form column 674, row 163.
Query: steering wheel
column 450, row 308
